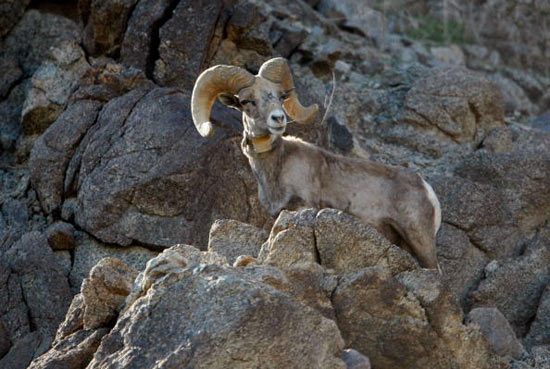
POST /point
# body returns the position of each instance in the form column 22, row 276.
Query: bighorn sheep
column 398, row 203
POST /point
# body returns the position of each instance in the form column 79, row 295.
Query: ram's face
column 265, row 99
column 262, row 108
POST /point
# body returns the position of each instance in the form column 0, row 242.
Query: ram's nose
column 278, row 118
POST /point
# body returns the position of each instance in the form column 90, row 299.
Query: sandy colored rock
column 105, row 291
column 231, row 239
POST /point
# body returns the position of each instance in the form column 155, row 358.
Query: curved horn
column 277, row 70
column 211, row 83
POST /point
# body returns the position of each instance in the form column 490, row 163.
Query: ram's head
column 265, row 99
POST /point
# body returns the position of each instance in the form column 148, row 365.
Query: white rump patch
column 435, row 202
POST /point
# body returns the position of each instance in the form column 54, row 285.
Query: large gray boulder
column 139, row 171
column 212, row 317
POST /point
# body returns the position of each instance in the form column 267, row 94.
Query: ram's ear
column 230, row 100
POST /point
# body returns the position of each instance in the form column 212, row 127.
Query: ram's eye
column 251, row 102
column 284, row 96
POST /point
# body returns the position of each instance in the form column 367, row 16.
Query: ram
column 397, row 202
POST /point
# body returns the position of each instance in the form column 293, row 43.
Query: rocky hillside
column 128, row 241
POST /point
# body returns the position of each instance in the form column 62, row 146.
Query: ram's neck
column 267, row 166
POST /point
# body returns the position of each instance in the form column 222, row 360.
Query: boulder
column 105, row 290
column 408, row 320
column 232, row 239
column 51, row 85
column 498, row 331
column 61, row 236
column 511, row 184
column 346, row 245
column 213, row 317
column 94, row 164
column 458, row 104
column 104, row 24
column 371, row 310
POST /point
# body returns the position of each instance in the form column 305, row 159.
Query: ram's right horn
column 211, row 83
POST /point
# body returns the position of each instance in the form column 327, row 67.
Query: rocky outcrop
column 97, row 94
column 225, row 319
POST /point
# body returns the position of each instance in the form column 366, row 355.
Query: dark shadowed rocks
column 45, row 289
column 104, row 24
column 5, row 343
column 182, row 50
column 10, row 13
column 138, row 48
